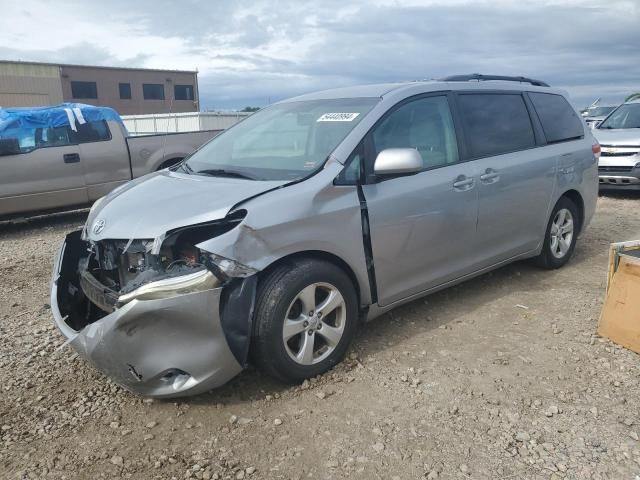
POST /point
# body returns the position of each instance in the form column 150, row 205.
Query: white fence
column 181, row 122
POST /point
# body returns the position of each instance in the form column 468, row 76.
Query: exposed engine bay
column 123, row 266
column 112, row 272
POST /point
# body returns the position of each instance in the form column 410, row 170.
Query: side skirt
column 376, row 310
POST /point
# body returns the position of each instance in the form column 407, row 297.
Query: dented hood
column 148, row 207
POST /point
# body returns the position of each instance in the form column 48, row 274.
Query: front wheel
column 561, row 235
column 306, row 316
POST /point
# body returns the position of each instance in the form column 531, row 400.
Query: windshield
column 626, row 116
column 282, row 142
column 599, row 111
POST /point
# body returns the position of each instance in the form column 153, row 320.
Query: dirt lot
column 465, row 383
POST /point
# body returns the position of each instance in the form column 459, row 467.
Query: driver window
column 25, row 140
column 424, row 124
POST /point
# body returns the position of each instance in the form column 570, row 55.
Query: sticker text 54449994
column 338, row 117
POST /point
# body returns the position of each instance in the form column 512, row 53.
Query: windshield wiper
column 221, row 172
column 185, row 166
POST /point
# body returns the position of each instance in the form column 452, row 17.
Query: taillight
column 595, row 148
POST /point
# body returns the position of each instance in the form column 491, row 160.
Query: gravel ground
column 501, row 377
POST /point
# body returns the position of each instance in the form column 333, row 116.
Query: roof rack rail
column 480, row 77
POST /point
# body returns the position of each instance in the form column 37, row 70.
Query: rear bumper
column 162, row 348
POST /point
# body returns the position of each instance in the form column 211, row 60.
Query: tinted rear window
column 97, row 131
column 559, row 121
column 496, row 123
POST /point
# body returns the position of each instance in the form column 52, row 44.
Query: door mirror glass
column 398, row 161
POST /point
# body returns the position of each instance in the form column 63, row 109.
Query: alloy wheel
column 314, row 324
column 562, row 230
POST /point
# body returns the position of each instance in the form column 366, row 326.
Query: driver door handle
column 463, row 183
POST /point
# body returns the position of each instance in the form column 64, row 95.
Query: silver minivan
column 277, row 237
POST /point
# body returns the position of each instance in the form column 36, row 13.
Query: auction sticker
column 338, row 117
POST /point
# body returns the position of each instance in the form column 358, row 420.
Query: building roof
column 98, row 66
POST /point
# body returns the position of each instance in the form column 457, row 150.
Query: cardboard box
column 620, row 319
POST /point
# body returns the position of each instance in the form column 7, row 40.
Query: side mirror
column 398, row 161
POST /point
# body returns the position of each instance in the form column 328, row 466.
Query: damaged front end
column 161, row 317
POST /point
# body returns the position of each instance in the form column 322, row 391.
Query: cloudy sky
column 260, row 51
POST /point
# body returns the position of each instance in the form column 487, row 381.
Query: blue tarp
column 63, row 115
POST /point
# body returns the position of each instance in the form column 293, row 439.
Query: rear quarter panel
column 579, row 171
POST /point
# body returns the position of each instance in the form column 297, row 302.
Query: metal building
column 29, row 84
column 130, row 91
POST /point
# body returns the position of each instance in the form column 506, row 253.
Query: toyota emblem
column 98, row 226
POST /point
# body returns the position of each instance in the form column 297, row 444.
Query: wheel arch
column 578, row 201
column 170, row 162
column 317, row 255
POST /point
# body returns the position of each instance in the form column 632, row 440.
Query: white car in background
column 619, row 138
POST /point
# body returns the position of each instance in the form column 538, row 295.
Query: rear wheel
column 561, row 236
column 306, row 316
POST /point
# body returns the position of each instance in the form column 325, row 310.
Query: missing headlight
column 179, row 248
column 132, row 269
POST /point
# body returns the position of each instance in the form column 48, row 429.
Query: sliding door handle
column 490, row 176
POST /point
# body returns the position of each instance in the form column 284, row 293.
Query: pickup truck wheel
column 306, row 316
column 561, row 235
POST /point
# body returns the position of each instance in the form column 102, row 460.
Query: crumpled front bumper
column 160, row 348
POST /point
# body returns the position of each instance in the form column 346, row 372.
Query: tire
column 286, row 294
column 556, row 253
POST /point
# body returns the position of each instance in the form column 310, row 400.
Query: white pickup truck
column 70, row 155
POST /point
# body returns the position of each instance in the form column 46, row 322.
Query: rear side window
column 93, row 132
column 496, row 123
column 559, row 121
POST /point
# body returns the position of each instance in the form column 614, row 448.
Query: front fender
column 292, row 220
